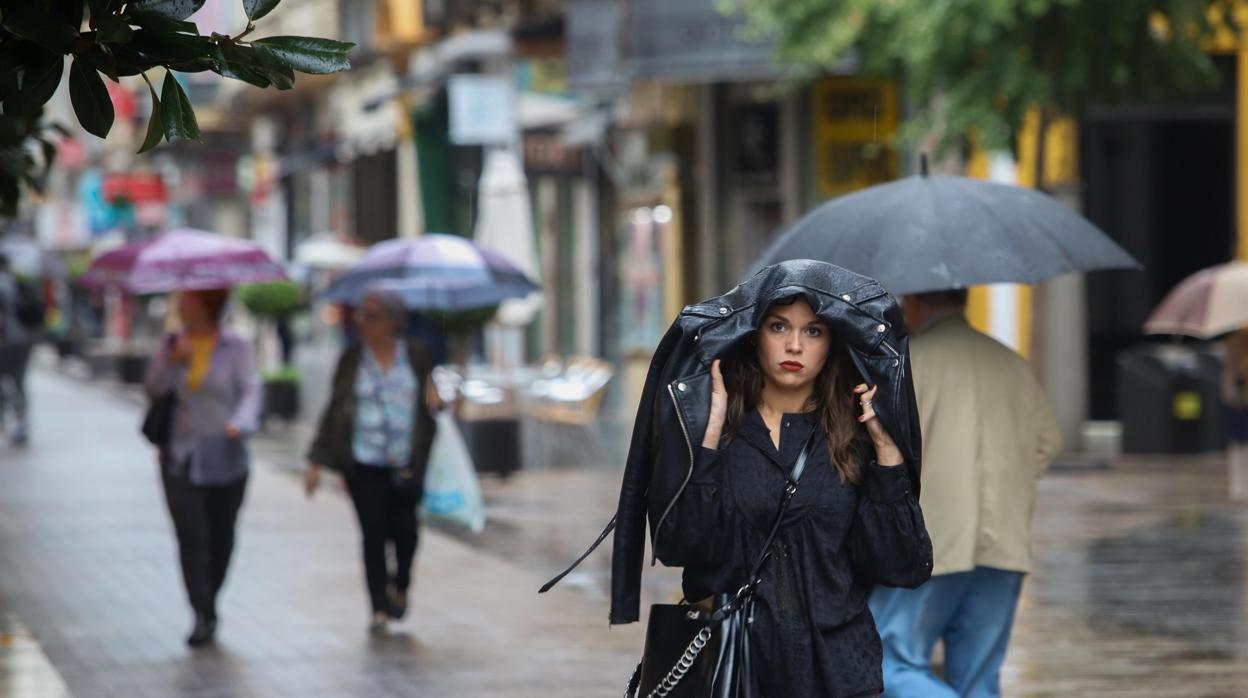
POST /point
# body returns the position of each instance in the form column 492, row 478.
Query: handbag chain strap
column 683, row 665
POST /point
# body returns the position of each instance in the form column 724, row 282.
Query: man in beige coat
column 989, row 433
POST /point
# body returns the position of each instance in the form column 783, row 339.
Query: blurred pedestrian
column 204, row 468
column 989, row 434
column 1235, row 397
column 21, row 315
column 377, row 431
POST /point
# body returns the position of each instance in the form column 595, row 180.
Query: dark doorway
column 376, row 197
column 1160, row 180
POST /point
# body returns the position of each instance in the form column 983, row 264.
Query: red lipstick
column 793, row 366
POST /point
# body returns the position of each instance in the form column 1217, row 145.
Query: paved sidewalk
column 89, row 566
column 1140, row 585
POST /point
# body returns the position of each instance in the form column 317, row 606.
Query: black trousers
column 387, row 515
column 203, row 518
column 13, row 361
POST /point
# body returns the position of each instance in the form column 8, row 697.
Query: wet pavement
column 87, row 563
column 1139, row 588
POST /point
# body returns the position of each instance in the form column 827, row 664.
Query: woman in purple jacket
column 204, row 467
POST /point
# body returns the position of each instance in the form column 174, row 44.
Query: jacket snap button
column 880, row 328
column 680, row 387
column 896, row 362
column 723, row 311
column 845, row 297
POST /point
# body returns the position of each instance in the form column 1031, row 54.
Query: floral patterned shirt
column 385, row 410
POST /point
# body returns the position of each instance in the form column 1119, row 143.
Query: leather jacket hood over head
column 675, row 403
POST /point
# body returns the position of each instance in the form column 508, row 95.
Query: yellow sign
column 855, row 120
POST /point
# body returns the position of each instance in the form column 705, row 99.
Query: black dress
column 812, row 631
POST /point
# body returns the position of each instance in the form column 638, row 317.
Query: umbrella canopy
column 505, row 226
column 454, row 294
column 1206, row 304
column 328, row 251
column 936, row 233
column 181, row 260
column 433, row 272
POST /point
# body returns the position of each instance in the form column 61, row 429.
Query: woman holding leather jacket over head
column 803, row 365
column 852, row 522
column 377, row 431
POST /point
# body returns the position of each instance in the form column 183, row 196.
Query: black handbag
column 690, row 653
column 158, row 421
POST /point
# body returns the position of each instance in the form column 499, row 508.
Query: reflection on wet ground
column 1138, row 587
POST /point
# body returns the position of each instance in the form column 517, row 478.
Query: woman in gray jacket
column 204, row 467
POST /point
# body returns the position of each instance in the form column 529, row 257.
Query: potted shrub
column 273, row 303
column 459, row 327
column 138, row 340
column 281, row 393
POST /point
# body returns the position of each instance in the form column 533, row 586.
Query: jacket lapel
column 693, row 397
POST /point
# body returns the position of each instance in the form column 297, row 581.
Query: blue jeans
column 971, row 611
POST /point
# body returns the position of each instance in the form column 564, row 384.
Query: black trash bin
column 1168, row 399
column 493, row 443
column 488, row 416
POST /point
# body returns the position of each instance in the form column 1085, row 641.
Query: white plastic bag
column 452, row 492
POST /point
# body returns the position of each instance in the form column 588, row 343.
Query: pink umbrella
column 1206, row 304
column 181, row 260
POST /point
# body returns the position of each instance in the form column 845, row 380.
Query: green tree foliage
column 111, row 39
column 981, row 65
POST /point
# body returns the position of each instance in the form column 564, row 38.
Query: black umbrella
column 936, row 232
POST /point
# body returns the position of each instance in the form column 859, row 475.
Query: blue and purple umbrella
column 433, row 272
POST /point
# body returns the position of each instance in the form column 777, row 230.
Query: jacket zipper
column 890, row 348
column 680, row 417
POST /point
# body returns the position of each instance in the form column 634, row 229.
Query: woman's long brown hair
column 832, row 399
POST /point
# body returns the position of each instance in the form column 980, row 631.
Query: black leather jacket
column 675, row 402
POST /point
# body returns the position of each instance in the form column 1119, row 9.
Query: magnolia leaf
column 232, row 61
column 256, row 9
column 30, row 21
column 37, row 80
column 306, row 54
column 176, row 114
column 155, row 128
column 111, row 29
column 90, row 99
column 176, row 10
column 168, row 47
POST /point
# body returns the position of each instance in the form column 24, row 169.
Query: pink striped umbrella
column 181, row 260
column 1206, row 304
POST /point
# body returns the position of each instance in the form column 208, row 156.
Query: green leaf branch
column 115, row 39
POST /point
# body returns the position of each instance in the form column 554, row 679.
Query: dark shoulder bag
column 695, row 654
column 158, row 422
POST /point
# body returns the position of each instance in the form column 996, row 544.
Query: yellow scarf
column 200, row 360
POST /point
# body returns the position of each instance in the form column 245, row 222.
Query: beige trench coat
column 989, row 433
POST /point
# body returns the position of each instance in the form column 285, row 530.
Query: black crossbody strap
column 601, row 537
column 790, row 489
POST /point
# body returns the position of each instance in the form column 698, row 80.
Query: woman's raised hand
column 886, row 451
column 719, row 408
